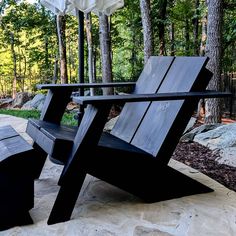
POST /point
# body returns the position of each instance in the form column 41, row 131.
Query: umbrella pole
column 80, row 16
column 81, row 49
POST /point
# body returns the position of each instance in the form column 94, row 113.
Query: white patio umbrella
column 97, row 6
column 58, row 7
column 104, row 6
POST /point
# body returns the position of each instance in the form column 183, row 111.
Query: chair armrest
column 100, row 100
column 60, row 94
column 84, row 85
column 55, row 105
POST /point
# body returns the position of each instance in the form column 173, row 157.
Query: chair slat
column 149, row 82
column 165, row 121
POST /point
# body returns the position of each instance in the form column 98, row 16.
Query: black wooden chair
column 135, row 155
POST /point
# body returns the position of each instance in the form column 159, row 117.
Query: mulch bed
column 202, row 159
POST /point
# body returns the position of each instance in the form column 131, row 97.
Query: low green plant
column 21, row 113
column 67, row 119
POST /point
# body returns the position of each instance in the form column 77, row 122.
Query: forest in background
column 29, row 42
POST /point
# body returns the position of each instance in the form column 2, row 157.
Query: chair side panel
column 165, row 121
column 149, row 82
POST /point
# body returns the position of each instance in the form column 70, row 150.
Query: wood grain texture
column 164, row 122
column 84, row 85
column 16, row 179
column 55, row 140
column 149, row 81
column 7, row 132
column 121, row 99
column 11, row 144
column 55, row 105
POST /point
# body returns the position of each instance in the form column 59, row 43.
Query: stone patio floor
column 104, row 210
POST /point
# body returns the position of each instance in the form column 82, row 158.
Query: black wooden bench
column 135, row 155
column 16, row 179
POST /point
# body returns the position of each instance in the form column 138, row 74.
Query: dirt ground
column 203, row 159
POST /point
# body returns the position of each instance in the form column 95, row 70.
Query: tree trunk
column 14, row 65
column 147, row 29
column 70, row 56
column 105, row 45
column 172, row 39
column 61, row 27
column 24, row 72
column 201, row 104
column 187, row 37
column 133, row 58
column 196, row 28
column 204, row 36
column 88, row 24
column 46, row 53
column 214, row 52
column 161, row 26
column 55, row 70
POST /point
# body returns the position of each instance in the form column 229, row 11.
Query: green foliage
column 34, row 43
column 36, row 47
column 182, row 10
column 67, row 119
column 127, row 42
column 26, row 114
column 229, row 39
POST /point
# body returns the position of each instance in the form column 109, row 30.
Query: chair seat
column 57, row 141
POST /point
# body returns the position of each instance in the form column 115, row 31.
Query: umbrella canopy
column 58, row 7
column 97, row 6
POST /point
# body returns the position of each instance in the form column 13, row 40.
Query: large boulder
column 110, row 124
column 21, row 99
column 222, row 139
column 189, row 136
column 5, row 103
column 36, row 103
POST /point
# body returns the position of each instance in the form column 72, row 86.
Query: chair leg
column 165, row 183
column 16, row 199
column 38, row 160
column 169, row 184
column 66, row 199
column 147, row 179
column 16, row 219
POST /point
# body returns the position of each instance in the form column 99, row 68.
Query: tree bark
column 47, row 65
column 196, row 28
column 55, row 70
column 172, row 39
column 161, row 26
column 14, row 65
column 147, row 29
column 214, row 52
column 203, row 36
column 61, row 27
column 187, row 37
column 202, row 51
column 105, row 45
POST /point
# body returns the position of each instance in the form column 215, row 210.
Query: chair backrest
column 149, row 81
column 156, row 127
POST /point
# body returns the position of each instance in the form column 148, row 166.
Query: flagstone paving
column 104, row 210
